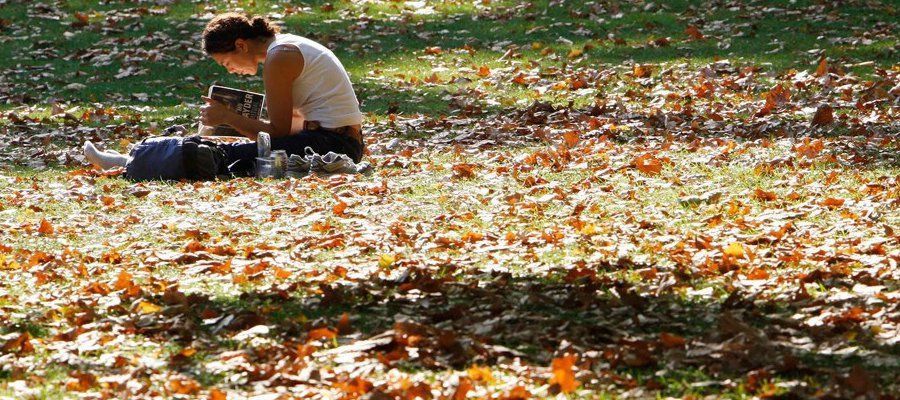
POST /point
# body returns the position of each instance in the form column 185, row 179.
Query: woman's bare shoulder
column 283, row 63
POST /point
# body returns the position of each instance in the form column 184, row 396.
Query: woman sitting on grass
column 309, row 97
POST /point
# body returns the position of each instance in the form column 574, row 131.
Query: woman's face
column 239, row 61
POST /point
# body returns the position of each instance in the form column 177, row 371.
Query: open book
column 248, row 104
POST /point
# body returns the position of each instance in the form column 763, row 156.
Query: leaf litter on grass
column 674, row 229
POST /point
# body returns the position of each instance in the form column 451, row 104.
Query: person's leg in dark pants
column 242, row 156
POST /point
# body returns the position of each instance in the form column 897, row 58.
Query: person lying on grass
column 310, row 100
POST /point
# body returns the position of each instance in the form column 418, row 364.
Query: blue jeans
column 242, row 156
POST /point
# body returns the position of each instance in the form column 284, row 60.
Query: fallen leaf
column 694, row 32
column 671, row 340
column 45, row 228
column 563, row 373
column 735, row 249
column 146, row 307
column 824, row 116
column 648, row 164
column 832, row 202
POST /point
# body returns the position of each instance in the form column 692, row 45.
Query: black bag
column 203, row 160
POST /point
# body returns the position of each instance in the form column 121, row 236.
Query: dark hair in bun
column 221, row 32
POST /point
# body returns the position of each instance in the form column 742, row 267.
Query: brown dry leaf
column 775, row 98
column 464, row 171
column 20, row 344
column 810, row 149
column 564, row 374
column 860, row 380
column 80, row 381
column 81, row 19
column 824, row 116
column 343, row 325
column 671, row 340
column 694, row 32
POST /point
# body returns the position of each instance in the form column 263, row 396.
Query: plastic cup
column 265, row 167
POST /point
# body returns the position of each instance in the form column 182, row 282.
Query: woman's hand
column 215, row 113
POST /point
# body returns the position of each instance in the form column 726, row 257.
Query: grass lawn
column 570, row 199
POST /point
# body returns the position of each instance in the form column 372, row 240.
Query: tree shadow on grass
column 625, row 335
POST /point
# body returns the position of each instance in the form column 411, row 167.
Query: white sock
column 103, row 159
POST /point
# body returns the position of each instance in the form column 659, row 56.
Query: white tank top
column 323, row 91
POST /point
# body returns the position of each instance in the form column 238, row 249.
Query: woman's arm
column 279, row 72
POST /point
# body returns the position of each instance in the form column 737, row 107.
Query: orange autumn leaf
column 822, row 69
column 339, row 208
column 184, row 386
column 563, row 374
column 216, row 394
column 642, row 70
column 46, row 228
column 517, row 393
column 463, row 388
column 107, row 200
column 832, row 202
column 484, row 71
column 648, row 164
column 480, row 373
column 758, row 274
column 221, row 268
column 464, row 171
column 735, row 249
column 194, row 246
column 355, row 388
column 281, row 273
column 571, row 138
column 321, row 333
column 763, row 195
column 776, row 97
column 124, row 281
